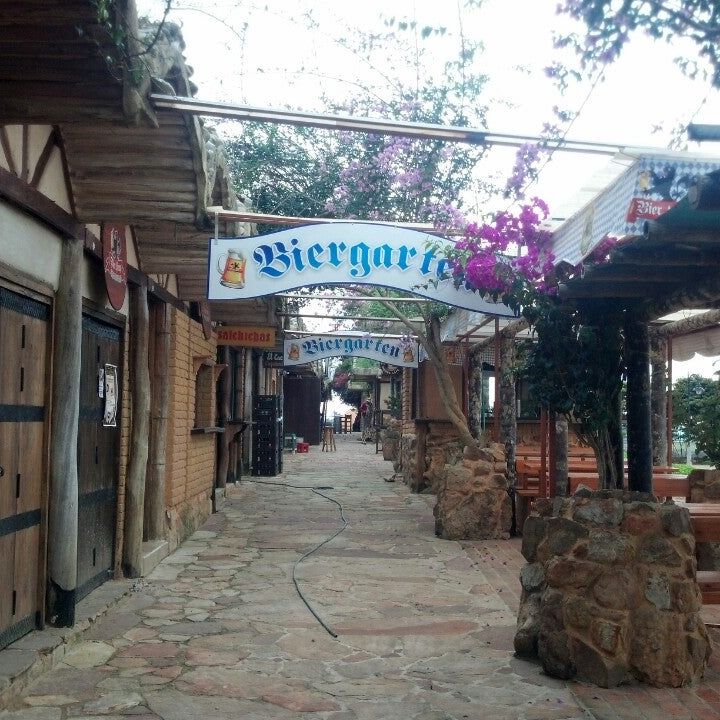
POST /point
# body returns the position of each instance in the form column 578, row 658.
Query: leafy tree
column 696, row 413
column 610, row 25
column 310, row 172
column 576, row 369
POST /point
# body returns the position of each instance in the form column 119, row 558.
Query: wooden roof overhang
column 674, row 265
column 154, row 170
column 59, row 63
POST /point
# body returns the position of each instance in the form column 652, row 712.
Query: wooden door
column 24, row 346
column 97, row 457
column 301, row 410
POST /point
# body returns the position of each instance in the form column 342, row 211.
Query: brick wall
column 190, row 457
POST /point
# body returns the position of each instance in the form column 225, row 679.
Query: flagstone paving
column 424, row 626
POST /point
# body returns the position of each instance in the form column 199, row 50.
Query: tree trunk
column 475, row 391
column 658, row 399
column 155, row 493
column 448, row 396
column 63, row 501
column 137, row 465
column 508, row 404
column 637, row 355
column 560, row 470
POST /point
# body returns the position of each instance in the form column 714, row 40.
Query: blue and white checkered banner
column 650, row 186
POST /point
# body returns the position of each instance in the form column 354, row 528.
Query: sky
column 289, row 53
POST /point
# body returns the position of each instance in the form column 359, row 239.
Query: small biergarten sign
column 343, row 253
column 397, row 351
column 115, row 262
column 246, row 336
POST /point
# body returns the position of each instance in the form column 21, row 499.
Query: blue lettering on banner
column 275, row 259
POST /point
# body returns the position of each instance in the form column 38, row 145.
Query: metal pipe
column 351, row 298
column 380, row 126
column 344, row 317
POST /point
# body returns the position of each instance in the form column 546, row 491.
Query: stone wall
column 405, row 465
column 610, row 593
column 390, row 438
column 472, row 499
column 442, row 448
column 425, row 453
column 705, row 488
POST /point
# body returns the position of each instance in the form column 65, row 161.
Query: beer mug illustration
column 232, row 275
column 408, row 355
column 293, row 352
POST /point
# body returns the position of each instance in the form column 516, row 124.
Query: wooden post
column 561, row 456
column 658, row 399
column 552, row 454
column 63, row 503
column 137, row 463
column 496, row 376
column 669, row 403
column 508, row 403
column 542, row 490
column 637, row 353
column 155, row 492
column 226, row 437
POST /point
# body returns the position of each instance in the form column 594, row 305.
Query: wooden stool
column 328, row 439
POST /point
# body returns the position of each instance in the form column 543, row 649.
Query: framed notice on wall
column 111, row 396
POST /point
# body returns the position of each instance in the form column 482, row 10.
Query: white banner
column 391, row 350
column 347, row 253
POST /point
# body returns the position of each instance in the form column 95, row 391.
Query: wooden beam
column 705, row 193
column 687, row 325
column 675, row 256
column 63, row 502
column 41, row 165
column 647, row 273
column 7, row 150
column 33, row 202
column 658, row 234
column 138, row 455
column 698, row 295
column 25, row 153
column 639, row 437
column 658, row 398
column 638, row 289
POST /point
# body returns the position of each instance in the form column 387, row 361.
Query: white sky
column 268, row 57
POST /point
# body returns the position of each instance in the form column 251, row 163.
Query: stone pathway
column 424, row 626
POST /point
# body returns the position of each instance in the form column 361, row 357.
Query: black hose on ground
column 316, row 489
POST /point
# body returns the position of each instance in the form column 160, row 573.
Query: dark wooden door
column 98, row 455
column 24, row 344
column 301, row 408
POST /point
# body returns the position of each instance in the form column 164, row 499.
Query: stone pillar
column 658, row 399
column 637, row 356
column 63, row 501
column 610, row 594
